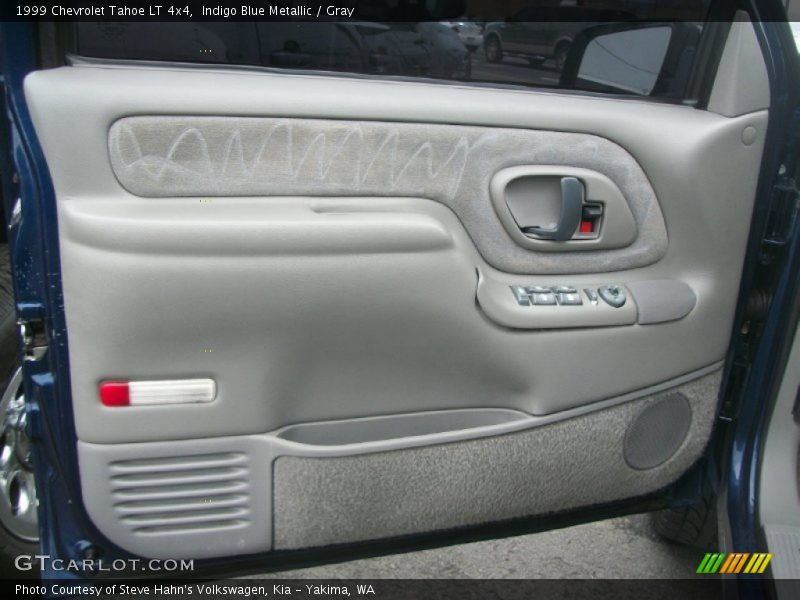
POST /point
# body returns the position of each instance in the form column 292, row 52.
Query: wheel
column 19, row 530
column 493, row 49
column 562, row 51
column 694, row 525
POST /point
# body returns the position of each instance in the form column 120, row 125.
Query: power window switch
column 570, row 299
column 521, row 295
column 564, row 289
column 591, row 294
column 547, row 298
column 538, row 289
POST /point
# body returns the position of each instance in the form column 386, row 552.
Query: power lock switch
column 589, row 227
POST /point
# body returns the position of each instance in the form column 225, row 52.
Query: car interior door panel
column 343, row 292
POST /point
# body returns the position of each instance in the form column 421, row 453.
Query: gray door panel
column 338, row 269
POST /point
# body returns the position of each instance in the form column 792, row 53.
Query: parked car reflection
column 469, row 32
column 408, row 49
column 540, row 33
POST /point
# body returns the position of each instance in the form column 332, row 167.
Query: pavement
column 626, row 548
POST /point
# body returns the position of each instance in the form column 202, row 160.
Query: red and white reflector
column 148, row 393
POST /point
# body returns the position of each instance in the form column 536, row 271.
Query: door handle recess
column 540, row 208
column 571, row 211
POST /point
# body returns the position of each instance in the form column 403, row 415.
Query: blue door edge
column 749, row 398
column 33, row 247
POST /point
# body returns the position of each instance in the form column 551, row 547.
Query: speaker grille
column 657, row 432
column 179, row 494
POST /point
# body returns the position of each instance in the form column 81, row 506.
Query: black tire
column 694, row 525
column 10, row 545
column 493, row 49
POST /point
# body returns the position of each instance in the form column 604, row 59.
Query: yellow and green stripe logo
column 734, row 562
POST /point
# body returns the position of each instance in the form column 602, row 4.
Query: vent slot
column 152, row 465
column 169, row 477
column 182, row 494
column 179, row 504
column 189, row 528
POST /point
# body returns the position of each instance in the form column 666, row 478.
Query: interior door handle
column 570, row 217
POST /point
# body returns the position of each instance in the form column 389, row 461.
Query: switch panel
column 567, row 295
column 564, row 305
column 557, row 304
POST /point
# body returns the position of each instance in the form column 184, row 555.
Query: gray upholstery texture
column 552, row 468
column 163, row 156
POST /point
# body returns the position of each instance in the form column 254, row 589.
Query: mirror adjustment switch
column 570, row 299
column 521, row 294
column 544, row 298
column 613, row 295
